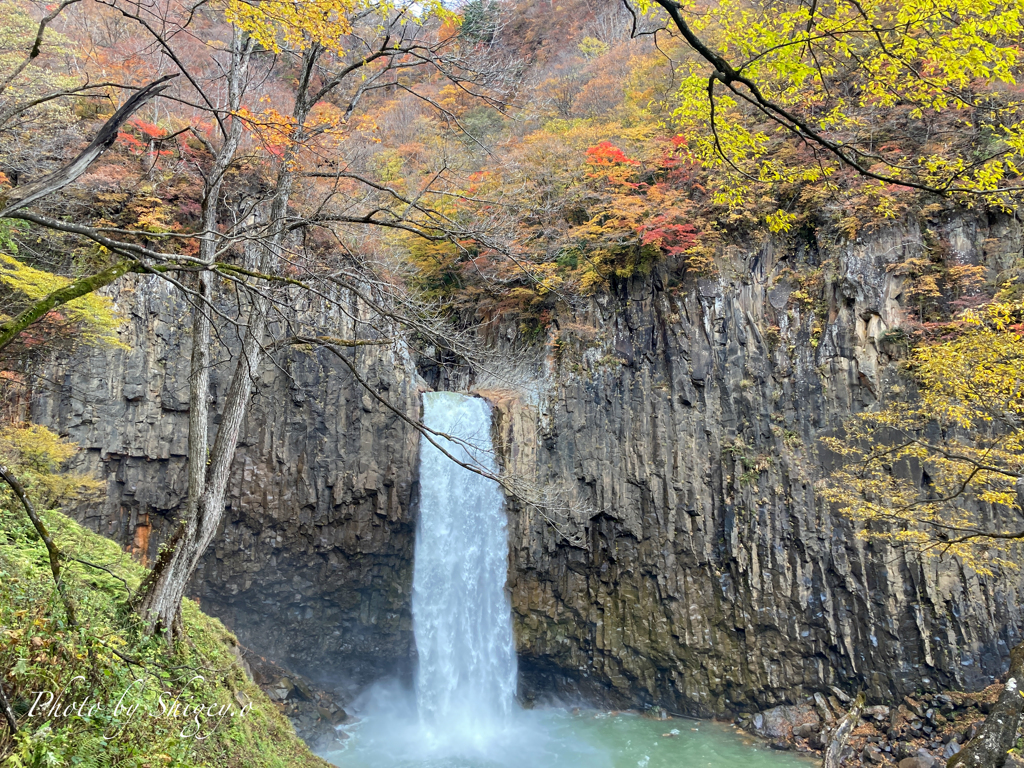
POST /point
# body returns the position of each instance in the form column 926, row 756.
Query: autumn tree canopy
column 814, row 96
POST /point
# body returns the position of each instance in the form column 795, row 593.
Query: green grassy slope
column 127, row 700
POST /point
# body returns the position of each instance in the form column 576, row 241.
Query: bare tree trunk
column 44, row 534
column 158, row 599
column 161, row 594
column 834, row 753
column 999, row 731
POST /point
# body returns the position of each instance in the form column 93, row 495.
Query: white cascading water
column 462, row 618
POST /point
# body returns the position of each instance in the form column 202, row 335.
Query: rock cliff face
column 708, row 578
column 314, row 563
column 697, row 572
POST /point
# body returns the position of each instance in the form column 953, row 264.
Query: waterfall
column 462, row 618
column 463, row 713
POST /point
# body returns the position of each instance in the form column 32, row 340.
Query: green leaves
column 39, row 653
column 95, row 315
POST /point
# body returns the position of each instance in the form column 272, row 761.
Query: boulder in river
column 778, row 723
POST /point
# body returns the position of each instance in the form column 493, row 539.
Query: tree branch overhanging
column 21, row 196
column 52, row 550
column 10, row 330
column 732, row 78
column 5, row 705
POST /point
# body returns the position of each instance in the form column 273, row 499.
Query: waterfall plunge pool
column 463, row 712
column 390, row 735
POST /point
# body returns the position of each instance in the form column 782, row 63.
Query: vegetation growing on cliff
column 942, row 471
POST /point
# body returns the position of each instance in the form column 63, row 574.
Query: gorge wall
column 314, row 561
column 697, row 570
column 708, row 578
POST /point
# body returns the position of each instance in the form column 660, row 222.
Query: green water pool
column 559, row 738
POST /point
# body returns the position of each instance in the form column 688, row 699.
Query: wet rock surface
column 315, row 713
column 885, row 735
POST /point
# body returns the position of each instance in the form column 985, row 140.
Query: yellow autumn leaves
column 938, row 471
column 923, row 92
column 295, row 25
column 39, row 456
column 95, row 316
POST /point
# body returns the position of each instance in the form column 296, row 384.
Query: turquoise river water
column 557, row 738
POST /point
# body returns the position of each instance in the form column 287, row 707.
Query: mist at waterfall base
column 462, row 712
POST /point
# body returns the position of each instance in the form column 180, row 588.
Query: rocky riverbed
column 314, row 711
column 922, row 731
